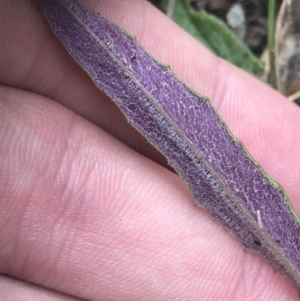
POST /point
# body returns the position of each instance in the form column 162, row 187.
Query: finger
column 15, row 290
column 33, row 59
column 83, row 214
column 265, row 122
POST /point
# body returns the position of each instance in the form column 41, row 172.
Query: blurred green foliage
column 215, row 35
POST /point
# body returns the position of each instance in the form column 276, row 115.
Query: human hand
column 84, row 214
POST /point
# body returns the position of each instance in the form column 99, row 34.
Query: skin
column 88, row 207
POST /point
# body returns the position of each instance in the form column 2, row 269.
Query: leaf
column 288, row 47
column 184, row 126
column 215, row 35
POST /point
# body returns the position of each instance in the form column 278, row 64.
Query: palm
column 83, row 213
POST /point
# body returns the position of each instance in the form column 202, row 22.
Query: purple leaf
column 184, row 126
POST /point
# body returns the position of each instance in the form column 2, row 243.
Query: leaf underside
column 184, row 126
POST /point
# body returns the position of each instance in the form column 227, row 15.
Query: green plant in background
column 215, row 35
column 282, row 58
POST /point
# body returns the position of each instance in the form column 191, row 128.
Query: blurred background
column 260, row 36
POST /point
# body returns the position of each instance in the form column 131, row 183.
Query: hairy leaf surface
column 184, row 126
